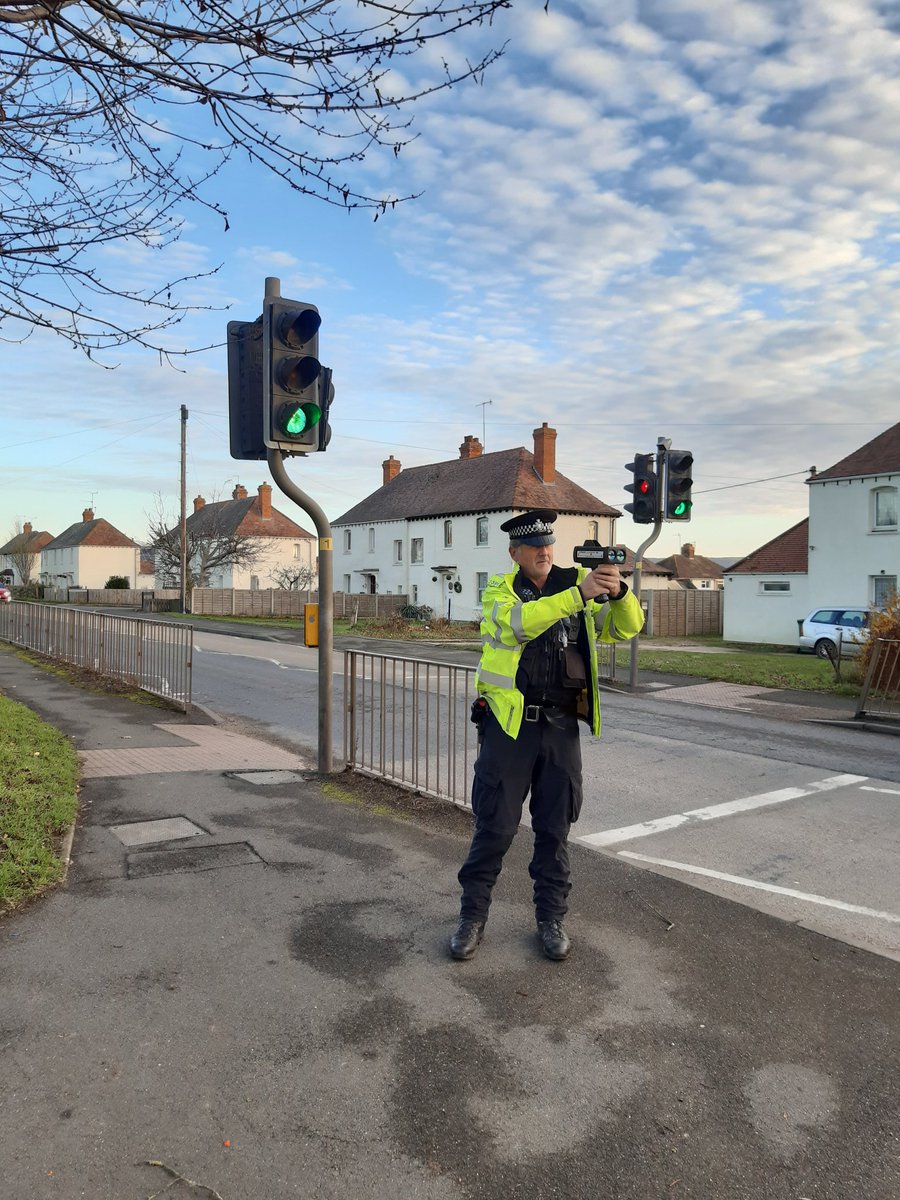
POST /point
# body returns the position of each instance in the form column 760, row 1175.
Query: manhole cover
column 190, row 858
column 168, row 829
column 267, row 777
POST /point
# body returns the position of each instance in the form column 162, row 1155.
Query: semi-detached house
column 88, row 553
column 846, row 552
column 433, row 533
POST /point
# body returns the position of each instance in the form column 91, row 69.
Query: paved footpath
column 256, row 993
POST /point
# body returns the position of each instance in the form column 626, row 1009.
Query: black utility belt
column 533, row 711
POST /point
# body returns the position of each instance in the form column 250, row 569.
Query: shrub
column 882, row 624
column 416, row 612
column 117, row 582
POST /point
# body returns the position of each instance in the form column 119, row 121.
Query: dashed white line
column 810, row 897
column 887, row 791
column 625, row 833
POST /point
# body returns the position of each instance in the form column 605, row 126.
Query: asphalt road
column 797, row 819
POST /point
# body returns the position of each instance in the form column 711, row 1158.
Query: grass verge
column 794, row 671
column 38, row 801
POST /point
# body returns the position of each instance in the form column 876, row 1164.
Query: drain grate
column 190, row 858
column 167, row 829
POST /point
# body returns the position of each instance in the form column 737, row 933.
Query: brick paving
column 209, row 749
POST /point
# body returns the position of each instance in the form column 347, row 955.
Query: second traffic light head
column 644, row 508
column 680, row 465
column 291, row 376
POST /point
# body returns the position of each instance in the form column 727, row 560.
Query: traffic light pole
column 662, row 446
column 326, row 602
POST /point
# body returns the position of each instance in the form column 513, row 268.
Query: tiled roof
column 34, row 542
column 881, row 456
column 494, row 482
column 244, row 516
column 786, row 554
column 90, row 533
column 648, row 568
column 691, row 566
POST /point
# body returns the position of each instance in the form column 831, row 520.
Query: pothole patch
column 167, row 829
column 190, row 858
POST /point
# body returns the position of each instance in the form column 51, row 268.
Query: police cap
column 533, row 528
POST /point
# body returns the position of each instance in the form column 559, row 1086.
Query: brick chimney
column 471, row 447
column 87, row 515
column 545, row 453
column 239, row 493
column 265, row 501
column 688, row 549
column 390, row 470
column 26, row 528
column 198, row 503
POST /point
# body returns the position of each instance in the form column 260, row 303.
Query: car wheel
column 825, row 648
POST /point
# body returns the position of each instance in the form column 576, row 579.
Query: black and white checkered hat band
column 521, row 531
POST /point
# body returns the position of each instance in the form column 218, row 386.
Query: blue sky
column 654, row 218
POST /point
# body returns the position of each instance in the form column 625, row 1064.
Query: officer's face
column 534, row 561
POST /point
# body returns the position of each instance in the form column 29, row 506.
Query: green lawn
column 38, row 801
column 763, row 668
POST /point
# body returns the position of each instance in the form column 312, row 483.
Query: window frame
column 891, row 526
column 414, row 543
column 482, row 525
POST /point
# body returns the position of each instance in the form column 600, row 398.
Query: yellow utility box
column 311, row 624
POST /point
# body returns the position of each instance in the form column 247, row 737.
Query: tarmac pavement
column 267, row 1006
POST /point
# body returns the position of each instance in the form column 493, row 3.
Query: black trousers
column 545, row 758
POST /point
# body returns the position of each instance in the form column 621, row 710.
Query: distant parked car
column 826, row 628
column 5, row 595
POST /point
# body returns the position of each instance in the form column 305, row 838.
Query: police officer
column 537, row 675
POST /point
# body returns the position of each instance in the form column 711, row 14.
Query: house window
column 774, row 588
column 884, row 589
column 481, row 583
column 371, row 540
column 481, row 531
column 298, row 550
column 884, row 508
column 347, row 540
column 254, row 583
column 415, row 593
column 417, row 550
column 398, row 550
column 448, row 533
column 593, row 530
column 347, row 583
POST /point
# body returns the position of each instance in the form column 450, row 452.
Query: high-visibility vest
column 508, row 623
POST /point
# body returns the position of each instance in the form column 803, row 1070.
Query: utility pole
column 662, row 449
column 183, row 521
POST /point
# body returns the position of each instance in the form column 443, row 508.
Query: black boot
column 554, row 939
column 465, row 940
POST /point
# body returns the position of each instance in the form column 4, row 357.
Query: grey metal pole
column 326, row 602
column 662, row 446
column 183, row 519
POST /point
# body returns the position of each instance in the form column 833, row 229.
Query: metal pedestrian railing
column 155, row 656
column 880, row 695
column 407, row 721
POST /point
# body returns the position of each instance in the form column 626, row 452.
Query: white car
column 827, row 628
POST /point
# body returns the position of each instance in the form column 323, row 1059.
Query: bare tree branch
column 106, row 110
column 212, row 545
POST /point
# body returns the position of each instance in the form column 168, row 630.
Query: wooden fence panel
column 683, row 613
column 278, row 602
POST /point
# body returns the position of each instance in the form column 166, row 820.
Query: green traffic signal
column 295, row 419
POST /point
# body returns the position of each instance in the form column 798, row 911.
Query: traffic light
column 292, row 385
column 326, row 391
column 678, row 485
column 245, row 396
column 645, row 507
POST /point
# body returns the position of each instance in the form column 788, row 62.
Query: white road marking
column 645, row 828
column 887, row 791
column 762, row 887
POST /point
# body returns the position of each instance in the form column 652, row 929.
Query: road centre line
column 625, row 833
column 811, row 897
